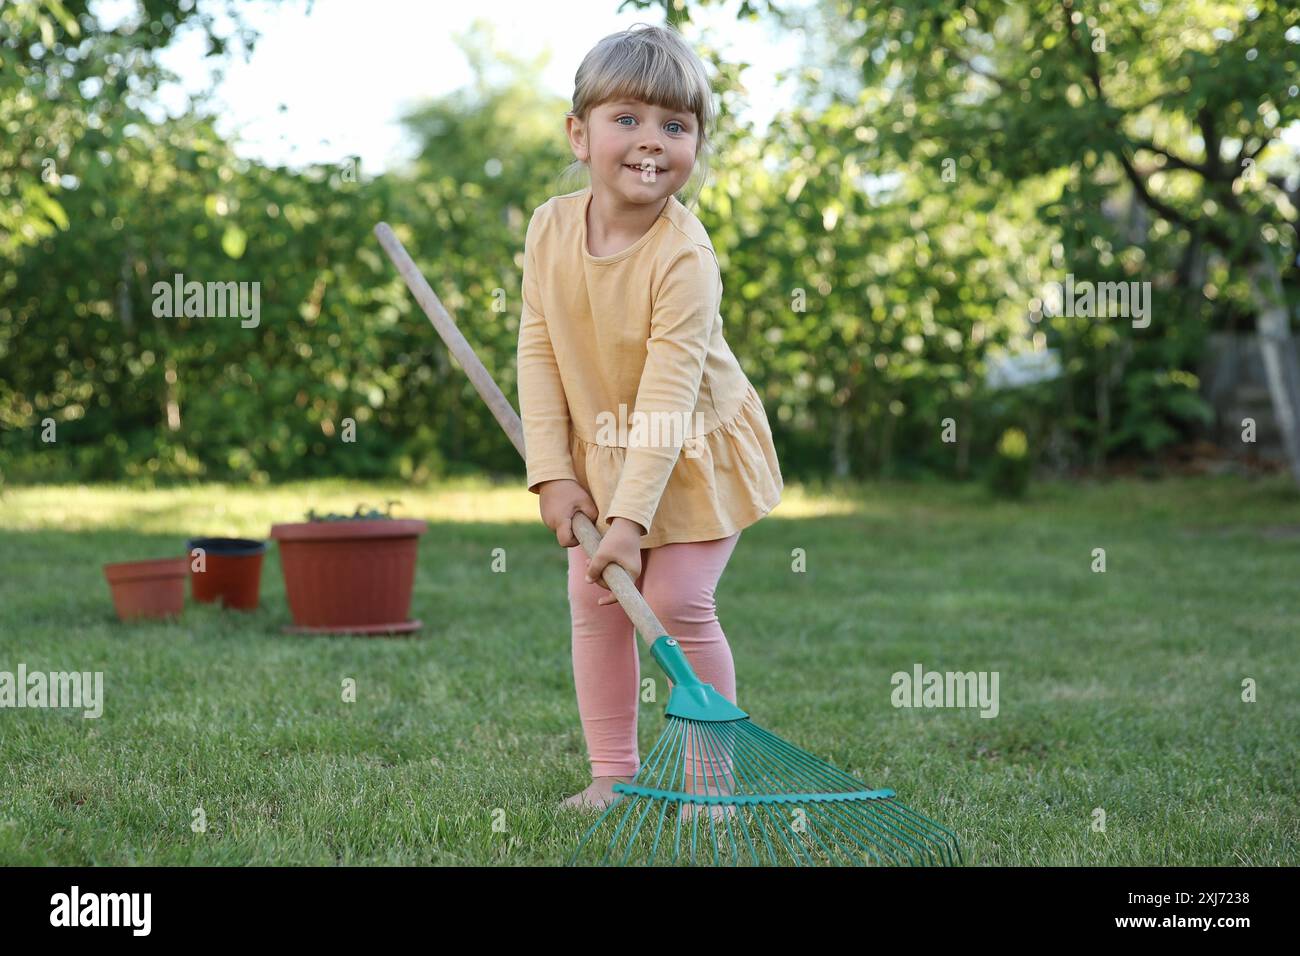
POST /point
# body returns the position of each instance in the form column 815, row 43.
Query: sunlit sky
column 345, row 71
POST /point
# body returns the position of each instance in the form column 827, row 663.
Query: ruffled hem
column 733, row 482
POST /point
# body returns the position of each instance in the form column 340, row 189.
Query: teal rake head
column 719, row 790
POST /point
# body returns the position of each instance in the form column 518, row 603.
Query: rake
column 716, row 788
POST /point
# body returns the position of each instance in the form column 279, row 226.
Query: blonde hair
column 652, row 64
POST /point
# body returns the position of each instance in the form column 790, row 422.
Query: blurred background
column 893, row 193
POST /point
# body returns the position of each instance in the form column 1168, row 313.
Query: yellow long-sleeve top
column 639, row 329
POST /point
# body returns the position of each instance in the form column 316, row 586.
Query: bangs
column 650, row 65
column 649, row 77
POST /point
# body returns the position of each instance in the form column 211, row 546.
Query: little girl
column 621, row 296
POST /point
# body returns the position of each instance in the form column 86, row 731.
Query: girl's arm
column 542, row 404
column 685, row 308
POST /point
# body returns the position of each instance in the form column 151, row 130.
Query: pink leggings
column 677, row 581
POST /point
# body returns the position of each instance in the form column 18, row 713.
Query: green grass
column 1119, row 691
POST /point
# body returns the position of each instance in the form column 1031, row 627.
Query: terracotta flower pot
column 147, row 588
column 232, row 571
column 349, row 577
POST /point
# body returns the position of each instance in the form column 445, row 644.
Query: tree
column 1184, row 101
column 63, row 77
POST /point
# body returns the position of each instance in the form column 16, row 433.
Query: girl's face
column 640, row 152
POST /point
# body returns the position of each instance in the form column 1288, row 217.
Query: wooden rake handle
column 619, row 581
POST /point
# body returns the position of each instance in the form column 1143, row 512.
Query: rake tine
column 905, row 817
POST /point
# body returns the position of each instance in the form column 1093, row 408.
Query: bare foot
column 598, row 795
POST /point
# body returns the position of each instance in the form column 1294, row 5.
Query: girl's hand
column 622, row 546
column 561, row 499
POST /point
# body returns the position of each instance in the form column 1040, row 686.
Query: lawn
column 1118, row 691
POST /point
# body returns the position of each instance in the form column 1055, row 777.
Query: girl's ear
column 577, row 134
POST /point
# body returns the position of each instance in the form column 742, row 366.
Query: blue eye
column 680, row 127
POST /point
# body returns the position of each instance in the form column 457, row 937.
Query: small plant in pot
column 350, row 574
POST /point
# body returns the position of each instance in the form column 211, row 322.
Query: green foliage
column 885, row 238
column 1155, row 398
column 1156, row 131
column 374, row 514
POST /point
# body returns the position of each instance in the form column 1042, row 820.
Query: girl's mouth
column 642, row 169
